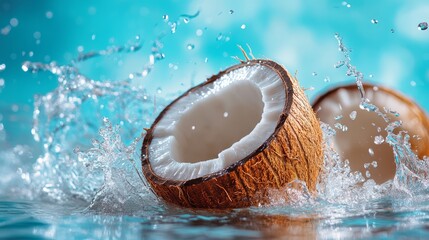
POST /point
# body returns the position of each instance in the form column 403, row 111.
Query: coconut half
column 364, row 140
column 227, row 141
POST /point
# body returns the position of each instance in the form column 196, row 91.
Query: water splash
column 123, row 188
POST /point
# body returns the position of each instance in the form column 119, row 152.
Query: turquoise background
column 297, row 34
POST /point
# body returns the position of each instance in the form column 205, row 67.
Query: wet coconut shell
column 354, row 143
column 293, row 151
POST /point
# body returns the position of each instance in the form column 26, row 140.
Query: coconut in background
column 80, row 80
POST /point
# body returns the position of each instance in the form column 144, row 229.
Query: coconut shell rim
column 287, row 83
column 410, row 102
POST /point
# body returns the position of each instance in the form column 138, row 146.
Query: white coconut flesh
column 218, row 124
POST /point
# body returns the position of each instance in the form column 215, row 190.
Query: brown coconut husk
column 361, row 131
column 293, row 151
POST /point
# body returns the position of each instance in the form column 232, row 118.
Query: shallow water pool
column 80, row 80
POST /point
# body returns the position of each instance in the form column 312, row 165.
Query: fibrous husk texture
column 294, row 151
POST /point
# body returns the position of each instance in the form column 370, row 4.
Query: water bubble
column 379, row 129
column 371, row 151
column 374, row 164
column 225, row 114
column 422, row 26
column 243, row 26
column 190, row 46
column 378, row 139
column 2, row 67
column 14, row 22
column 367, row 174
column 231, row 11
column 374, row 21
column 49, row 15
column 159, row 90
column 413, row 83
column 366, row 165
column 80, row 49
column 199, row 32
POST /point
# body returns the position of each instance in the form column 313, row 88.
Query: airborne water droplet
column 243, row 26
column 374, row 21
column 353, row 115
column 231, row 11
column 225, row 114
column 378, row 140
column 190, row 46
column 422, row 26
column 370, row 151
column 165, row 17
column 2, row 67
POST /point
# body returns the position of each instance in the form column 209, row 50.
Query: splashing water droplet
column 314, row 73
column 353, row 115
column 341, row 127
column 225, row 114
column 159, row 90
column 392, row 30
column 199, row 32
column 165, row 17
column 327, row 79
column 374, row 164
column 193, row 127
column 190, row 46
column 186, row 20
column 219, row 36
column 339, row 64
column 422, row 26
column 339, row 117
column 243, row 26
column 378, row 139
column 2, row 67
column 413, row 83
column 371, row 151
column 374, row 21
column 366, row 165
column 231, row 11
column 367, row 174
